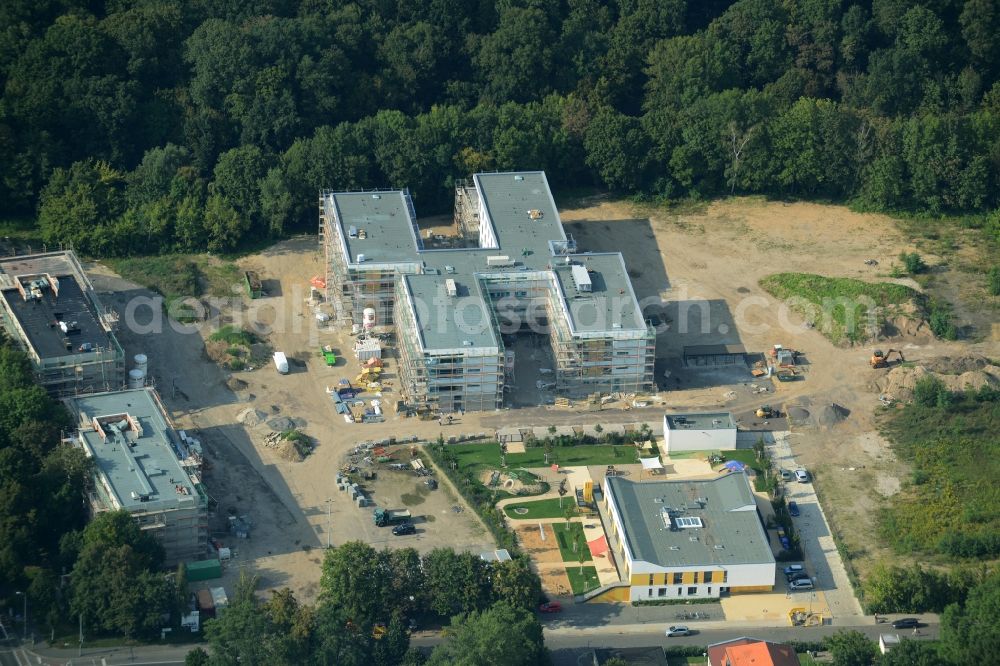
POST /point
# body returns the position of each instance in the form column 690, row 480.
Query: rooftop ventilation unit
column 361, row 258
column 451, row 287
column 518, row 178
column 352, row 231
column 581, row 278
column 376, row 196
column 467, row 343
column 499, row 260
column 449, row 269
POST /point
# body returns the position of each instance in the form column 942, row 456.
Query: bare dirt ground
column 709, row 262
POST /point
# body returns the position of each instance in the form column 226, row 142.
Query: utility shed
column 710, row 356
column 709, row 431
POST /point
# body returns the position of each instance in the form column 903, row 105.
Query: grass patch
column 566, row 536
column 567, row 456
column 21, row 229
column 841, row 308
column 177, row 277
column 546, row 508
column 582, row 579
column 233, row 335
column 950, row 506
column 685, row 661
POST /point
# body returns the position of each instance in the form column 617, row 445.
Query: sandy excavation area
column 704, row 265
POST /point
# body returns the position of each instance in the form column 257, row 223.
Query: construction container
column 253, row 284
column 219, row 598
column 136, row 378
column 367, row 348
column 205, row 602
column 203, row 570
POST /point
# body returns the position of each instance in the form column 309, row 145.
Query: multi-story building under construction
column 452, row 308
column 49, row 307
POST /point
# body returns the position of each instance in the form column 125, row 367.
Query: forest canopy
column 140, row 126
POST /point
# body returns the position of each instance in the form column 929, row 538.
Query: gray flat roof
column 610, row 304
column 463, row 323
column 147, row 463
column 731, row 531
column 39, row 319
column 701, row 421
column 385, row 219
column 525, row 221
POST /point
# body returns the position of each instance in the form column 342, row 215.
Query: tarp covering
column 318, row 282
column 598, row 546
column 735, row 465
column 650, row 463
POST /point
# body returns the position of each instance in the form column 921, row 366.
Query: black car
column 404, row 529
column 906, row 623
column 798, row 575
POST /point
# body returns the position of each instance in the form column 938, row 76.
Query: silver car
column 677, row 630
column 802, row 476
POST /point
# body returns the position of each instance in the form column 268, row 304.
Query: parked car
column 432, row 484
column 677, row 630
column 793, row 509
column 906, row 623
column 798, row 575
column 550, row 607
column 804, row 584
column 404, row 528
column 802, row 476
column 785, row 475
column 792, row 568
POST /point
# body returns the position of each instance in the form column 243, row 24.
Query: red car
column 550, row 607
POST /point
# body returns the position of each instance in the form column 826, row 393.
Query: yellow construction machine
column 881, row 359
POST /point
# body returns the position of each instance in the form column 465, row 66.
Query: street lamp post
column 24, row 614
column 329, row 505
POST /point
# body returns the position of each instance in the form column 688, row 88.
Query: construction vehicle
column 765, row 412
column 881, row 360
column 384, row 517
column 800, row 617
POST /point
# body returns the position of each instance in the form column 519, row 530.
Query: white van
column 804, row 584
column 281, row 362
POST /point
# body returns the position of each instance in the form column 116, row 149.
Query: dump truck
column 384, row 517
column 253, row 284
column 281, row 362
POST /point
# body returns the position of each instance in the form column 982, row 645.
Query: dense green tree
column 617, row 149
column 352, row 579
column 501, row 635
column 515, row 62
column 456, row 582
column 913, row 653
column 815, row 142
column 969, row 632
column 516, row 584
column 852, row 648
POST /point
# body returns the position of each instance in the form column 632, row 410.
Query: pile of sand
column 281, row 424
column 287, row 450
column 825, row 416
column 830, row 415
column 511, row 485
column 251, row 417
column 956, row 374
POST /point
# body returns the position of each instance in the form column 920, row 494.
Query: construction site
column 457, row 311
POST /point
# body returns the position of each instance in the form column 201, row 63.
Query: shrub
column 913, row 262
column 993, row 282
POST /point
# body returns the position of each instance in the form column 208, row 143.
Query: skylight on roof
column 688, row 522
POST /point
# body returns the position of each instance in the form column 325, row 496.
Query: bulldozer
column 881, row 359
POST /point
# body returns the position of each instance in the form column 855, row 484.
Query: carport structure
column 709, row 356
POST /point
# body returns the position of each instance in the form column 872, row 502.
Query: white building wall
column 716, row 439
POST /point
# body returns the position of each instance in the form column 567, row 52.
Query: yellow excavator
column 765, row 412
column 881, row 359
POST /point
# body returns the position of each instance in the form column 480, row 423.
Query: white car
column 678, row 630
column 804, row 584
column 802, row 476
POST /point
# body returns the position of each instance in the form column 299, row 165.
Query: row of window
column 677, row 577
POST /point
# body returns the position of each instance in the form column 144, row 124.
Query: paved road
column 823, row 559
column 568, row 648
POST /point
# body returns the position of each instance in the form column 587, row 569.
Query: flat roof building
column 49, row 307
column 699, row 431
column 142, row 465
column 452, row 307
column 689, row 538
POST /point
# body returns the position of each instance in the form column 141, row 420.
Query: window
column 677, row 578
column 708, row 577
column 710, row 590
column 662, row 592
column 696, row 574
column 692, row 591
column 680, row 590
column 688, row 521
column 650, row 579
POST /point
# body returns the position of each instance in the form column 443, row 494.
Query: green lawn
column 583, row 579
column 838, row 307
column 747, row 457
column 685, row 661
column 567, row 456
column 546, row 508
column 566, row 537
